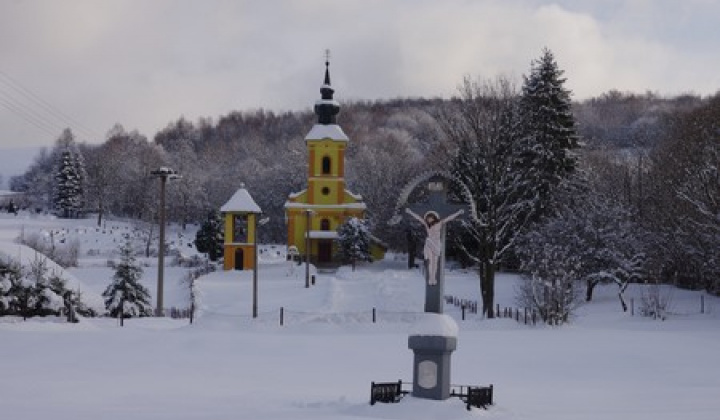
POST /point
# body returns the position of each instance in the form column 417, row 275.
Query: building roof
column 322, row 234
column 344, row 206
column 326, row 131
column 241, row 202
column 327, row 108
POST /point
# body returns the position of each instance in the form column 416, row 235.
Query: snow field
column 319, row 365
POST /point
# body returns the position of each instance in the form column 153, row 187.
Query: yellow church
column 314, row 214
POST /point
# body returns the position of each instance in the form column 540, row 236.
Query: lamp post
column 308, row 213
column 163, row 173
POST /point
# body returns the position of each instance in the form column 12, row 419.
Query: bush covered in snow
column 35, row 290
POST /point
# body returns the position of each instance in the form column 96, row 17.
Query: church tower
column 314, row 214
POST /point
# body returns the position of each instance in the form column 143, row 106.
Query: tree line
column 618, row 188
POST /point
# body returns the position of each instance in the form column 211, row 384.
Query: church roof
column 329, row 131
column 241, row 202
column 340, row 206
column 327, row 108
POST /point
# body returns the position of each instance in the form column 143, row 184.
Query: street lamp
column 255, row 270
column 163, row 173
column 308, row 220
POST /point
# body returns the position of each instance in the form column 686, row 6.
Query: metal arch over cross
column 434, row 213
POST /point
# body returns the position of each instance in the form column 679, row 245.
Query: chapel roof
column 241, row 202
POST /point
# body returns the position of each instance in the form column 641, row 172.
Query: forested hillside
column 645, row 174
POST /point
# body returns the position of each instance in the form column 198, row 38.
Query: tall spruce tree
column 125, row 293
column 549, row 130
column 68, row 188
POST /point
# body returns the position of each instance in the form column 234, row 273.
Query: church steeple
column 327, row 108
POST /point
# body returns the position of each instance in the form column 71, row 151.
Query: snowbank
column 435, row 324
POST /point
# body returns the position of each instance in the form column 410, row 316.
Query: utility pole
column 163, row 173
column 255, row 270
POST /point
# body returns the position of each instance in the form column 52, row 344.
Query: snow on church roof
column 326, row 131
column 241, row 201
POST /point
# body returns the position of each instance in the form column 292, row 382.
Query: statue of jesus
column 434, row 241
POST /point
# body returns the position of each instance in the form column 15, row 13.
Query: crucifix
column 434, row 214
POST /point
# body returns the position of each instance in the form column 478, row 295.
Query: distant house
column 12, row 201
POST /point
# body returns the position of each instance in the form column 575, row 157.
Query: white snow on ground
column 318, row 365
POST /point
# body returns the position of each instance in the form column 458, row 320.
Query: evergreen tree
column 81, row 171
column 210, row 237
column 10, row 277
column 68, row 187
column 43, row 300
column 36, row 290
column 125, row 293
column 354, row 241
column 549, row 130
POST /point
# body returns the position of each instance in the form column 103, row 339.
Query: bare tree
column 483, row 129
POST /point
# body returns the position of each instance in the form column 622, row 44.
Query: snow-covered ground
column 318, row 365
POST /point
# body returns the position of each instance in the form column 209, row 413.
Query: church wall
column 330, row 148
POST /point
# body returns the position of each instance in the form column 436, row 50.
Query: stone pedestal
column 431, row 365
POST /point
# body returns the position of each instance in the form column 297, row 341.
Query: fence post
column 374, row 315
column 702, row 304
column 282, row 316
column 632, row 306
column 463, row 312
column 122, row 311
column 312, row 279
column 497, row 312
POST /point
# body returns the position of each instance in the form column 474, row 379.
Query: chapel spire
column 327, row 108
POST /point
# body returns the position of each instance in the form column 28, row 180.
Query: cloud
column 146, row 63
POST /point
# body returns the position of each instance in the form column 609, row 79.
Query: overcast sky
column 90, row 64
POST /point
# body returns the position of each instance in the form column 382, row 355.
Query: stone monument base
column 431, row 365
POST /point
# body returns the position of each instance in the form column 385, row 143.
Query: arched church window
column 326, row 165
column 324, row 224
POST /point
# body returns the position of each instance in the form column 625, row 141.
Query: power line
column 27, row 113
column 30, row 103
column 42, row 104
column 30, row 118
